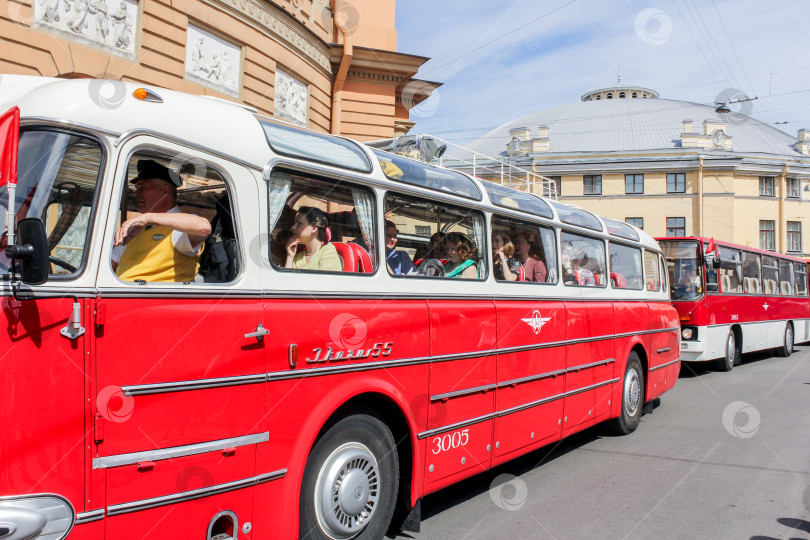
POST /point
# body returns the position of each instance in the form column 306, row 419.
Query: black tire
column 632, row 404
column 350, row 482
column 787, row 346
column 731, row 358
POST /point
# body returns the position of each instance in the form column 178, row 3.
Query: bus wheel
column 350, row 481
column 632, row 398
column 787, row 348
column 728, row 361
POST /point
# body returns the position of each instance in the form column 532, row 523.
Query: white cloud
column 556, row 59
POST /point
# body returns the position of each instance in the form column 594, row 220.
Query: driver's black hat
column 149, row 168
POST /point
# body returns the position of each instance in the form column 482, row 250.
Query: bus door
column 462, row 388
column 531, row 380
column 590, row 363
column 180, row 394
column 47, row 329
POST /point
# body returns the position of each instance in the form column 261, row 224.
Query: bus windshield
column 58, row 178
column 685, row 269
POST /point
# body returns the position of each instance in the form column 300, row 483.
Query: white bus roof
column 226, row 127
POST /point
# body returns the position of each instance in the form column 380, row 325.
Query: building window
column 766, row 186
column 557, row 186
column 792, row 188
column 592, row 184
column 422, row 230
column 610, row 95
column 635, row 221
column 766, row 234
column 635, row 94
column 634, row 183
column 676, row 183
column 676, row 226
column 622, row 95
column 794, row 236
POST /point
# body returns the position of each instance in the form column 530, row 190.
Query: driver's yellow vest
column 151, row 256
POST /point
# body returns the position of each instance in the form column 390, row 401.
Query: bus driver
column 162, row 243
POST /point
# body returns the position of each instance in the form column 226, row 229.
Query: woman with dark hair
column 534, row 269
column 311, row 230
column 462, row 253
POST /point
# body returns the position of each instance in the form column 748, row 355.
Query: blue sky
column 501, row 60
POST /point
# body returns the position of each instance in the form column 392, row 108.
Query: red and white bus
column 253, row 400
column 734, row 299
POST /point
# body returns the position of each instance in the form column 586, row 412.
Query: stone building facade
column 330, row 65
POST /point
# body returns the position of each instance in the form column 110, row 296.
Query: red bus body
column 158, row 413
column 756, row 317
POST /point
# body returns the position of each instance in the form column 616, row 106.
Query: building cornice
column 280, row 25
column 378, row 64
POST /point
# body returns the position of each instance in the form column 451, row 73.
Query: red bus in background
column 734, row 299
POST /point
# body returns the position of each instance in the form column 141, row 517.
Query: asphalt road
column 725, row 455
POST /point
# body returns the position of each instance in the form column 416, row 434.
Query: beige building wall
column 298, row 37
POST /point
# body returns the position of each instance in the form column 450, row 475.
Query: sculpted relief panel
column 106, row 24
column 291, row 99
column 212, row 61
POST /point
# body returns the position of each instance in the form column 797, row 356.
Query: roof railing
column 437, row 151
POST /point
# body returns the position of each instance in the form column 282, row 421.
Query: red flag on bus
column 710, row 247
column 9, row 141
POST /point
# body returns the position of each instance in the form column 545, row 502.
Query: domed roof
column 634, row 125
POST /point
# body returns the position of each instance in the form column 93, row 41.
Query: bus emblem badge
column 536, row 321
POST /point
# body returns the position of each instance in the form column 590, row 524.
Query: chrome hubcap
column 347, row 491
column 632, row 393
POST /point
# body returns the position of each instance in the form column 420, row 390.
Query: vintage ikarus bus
column 735, row 299
column 257, row 359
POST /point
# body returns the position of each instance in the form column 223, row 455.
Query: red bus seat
column 347, row 255
column 521, row 274
column 363, row 258
column 618, row 280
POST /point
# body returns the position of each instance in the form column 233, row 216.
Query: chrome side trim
column 497, row 414
column 146, row 504
column 662, row 366
column 160, row 388
column 179, row 451
column 604, row 362
column 184, row 386
column 531, row 378
column 57, row 122
column 457, row 425
column 459, row 393
column 88, row 517
column 737, row 323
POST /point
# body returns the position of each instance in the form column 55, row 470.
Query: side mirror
column 31, row 250
column 716, row 262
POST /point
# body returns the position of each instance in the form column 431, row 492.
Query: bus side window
column 320, row 224
column 801, row 278
column 652, row 274
column 583, row 260
column 528, row 249
column 770, row 275
column 625, row 266
column 752, row 273
column 156, row 184
column 441, row 240
column 730, row 271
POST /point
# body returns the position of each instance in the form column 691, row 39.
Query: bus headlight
column 687, row 333
column 36, row 516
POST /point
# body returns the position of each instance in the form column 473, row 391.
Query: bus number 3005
column 448, row 441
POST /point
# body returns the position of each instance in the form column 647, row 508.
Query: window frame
column 771, row 232
column 676, row 227
column 551, row 266
column 592, row 189
column 678, row 181
column 792, row 188
column 633, row 224
column 603, row 242
column 766, row 184
column 633, row 180
column 791, row 236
